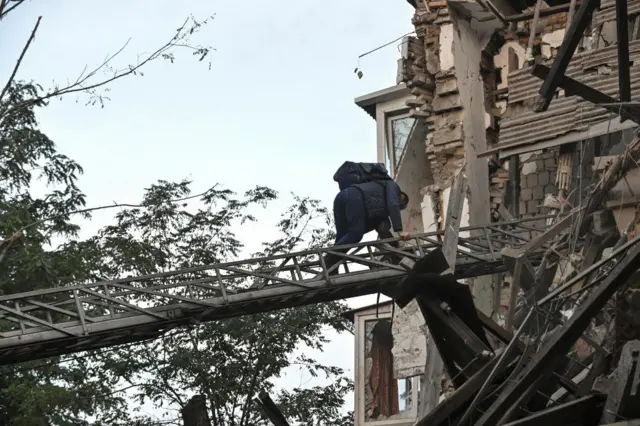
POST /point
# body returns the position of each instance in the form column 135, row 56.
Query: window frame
column 385, row 113
column 389, row 142
column 360, row 328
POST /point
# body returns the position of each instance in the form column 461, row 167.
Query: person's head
column 404, row 200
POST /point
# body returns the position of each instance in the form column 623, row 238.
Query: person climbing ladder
column 368, row 200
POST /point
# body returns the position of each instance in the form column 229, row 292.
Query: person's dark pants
column 384, row 232
column 350, row 217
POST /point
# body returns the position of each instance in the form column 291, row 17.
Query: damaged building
column 509, row 110
column 513, row 129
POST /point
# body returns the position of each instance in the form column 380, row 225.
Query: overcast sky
column 276, row 108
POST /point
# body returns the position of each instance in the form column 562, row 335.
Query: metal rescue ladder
column 48, row 322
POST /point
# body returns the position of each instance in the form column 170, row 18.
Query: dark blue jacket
column 382, row 200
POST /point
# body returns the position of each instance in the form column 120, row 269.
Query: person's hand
column 405, row 235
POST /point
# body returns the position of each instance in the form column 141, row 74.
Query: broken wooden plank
column 574, row 87
column 624, row 76
column 434, row 367
column 565, row 53
column 453, row 220
column 270, row 409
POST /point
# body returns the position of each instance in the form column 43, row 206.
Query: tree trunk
column 195, row 412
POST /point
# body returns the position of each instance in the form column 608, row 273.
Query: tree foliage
column 228, row 361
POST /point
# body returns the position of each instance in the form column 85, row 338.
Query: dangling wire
column 358, row 71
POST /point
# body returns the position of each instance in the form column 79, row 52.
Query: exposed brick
column 532, row 180
column 523, row 207
column 540, row 165
column 550, row 162
column 526, row 194
column 532, row 206
column 543, row 178
column 538, row 193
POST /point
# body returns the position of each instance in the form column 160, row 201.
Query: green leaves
column 172, row 227
column 228, row 361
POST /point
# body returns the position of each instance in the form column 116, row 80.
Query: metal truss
column 61, row 320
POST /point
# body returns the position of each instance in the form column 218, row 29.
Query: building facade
column 464, row 103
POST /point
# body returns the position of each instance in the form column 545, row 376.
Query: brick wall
column 537, row 178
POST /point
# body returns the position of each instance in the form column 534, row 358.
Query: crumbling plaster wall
column 410, row 335
column 451, row 75
column 459, row 75
column 469, row 112
column 468, row 45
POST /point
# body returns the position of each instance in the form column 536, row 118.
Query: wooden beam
column 270, row 409
column 514, row 185
column 541, row 240
column 587, row 93
column 434, row 367
column 453, row 220
column 624, row 77
column 565, row 53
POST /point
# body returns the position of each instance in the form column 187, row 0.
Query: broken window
column 393, row 125
column 400, row 128
column 385, row 397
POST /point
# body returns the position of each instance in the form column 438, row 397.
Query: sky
column 275, row 108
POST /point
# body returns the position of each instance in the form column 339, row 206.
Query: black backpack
column 354, row 173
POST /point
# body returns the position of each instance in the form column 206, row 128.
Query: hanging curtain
column 383, row 385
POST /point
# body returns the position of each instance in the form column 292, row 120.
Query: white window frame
column 385, row 113
column 360, row 320
column 390, row 118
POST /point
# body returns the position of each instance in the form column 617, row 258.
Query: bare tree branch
column 22, row 54
column 109, row 206
column 4, row 3
column 82, row 83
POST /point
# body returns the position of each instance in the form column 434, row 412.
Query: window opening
column 398, row 126
column 386, row 398
column 400, row 130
